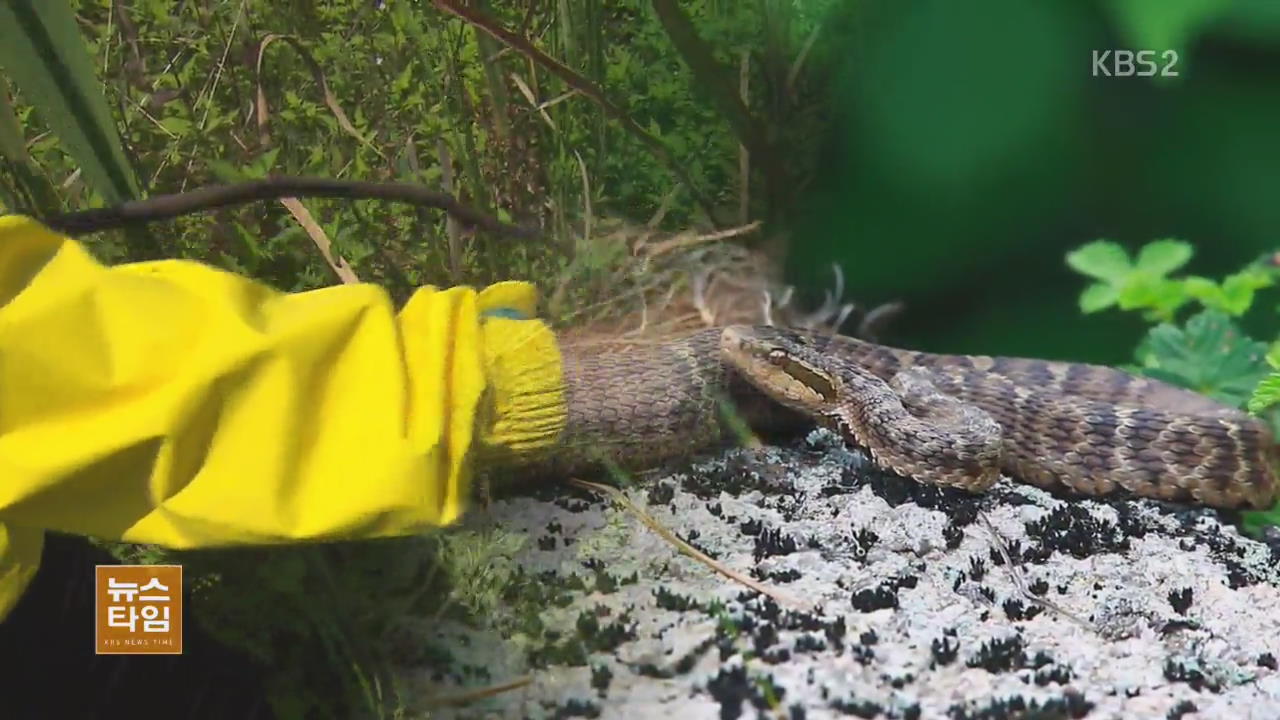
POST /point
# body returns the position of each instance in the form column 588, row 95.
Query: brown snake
column 952, row 420
column 945, row 419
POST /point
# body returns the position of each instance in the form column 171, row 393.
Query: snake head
column 786, row 366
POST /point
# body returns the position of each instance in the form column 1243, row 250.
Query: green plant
column 1144, row 285
column 1209, row 352
column 1267, row 393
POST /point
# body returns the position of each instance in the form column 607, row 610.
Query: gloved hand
column 173, row 403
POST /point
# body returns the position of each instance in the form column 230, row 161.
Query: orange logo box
column 138, row 609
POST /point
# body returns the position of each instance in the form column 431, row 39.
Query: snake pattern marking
column 954, row 420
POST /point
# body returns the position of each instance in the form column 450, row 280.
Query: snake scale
column 954, row 420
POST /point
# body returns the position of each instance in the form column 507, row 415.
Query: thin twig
column 1020, row 581
column 684, row 241
column 794, row 72
column 471, row 696
column 164, row 207
column 685, row 548
column 451, row 229
column 744, row 153
column 876, row 318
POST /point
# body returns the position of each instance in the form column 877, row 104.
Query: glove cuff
column 524, row 371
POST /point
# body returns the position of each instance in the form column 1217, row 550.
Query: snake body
column 954, row 420
column 947, row 419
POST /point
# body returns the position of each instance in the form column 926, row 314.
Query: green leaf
column 1206, row 291
column 1234, row 296
column 12, row 144
column 1266, row 394
column 1238, row 289
column 1163, row 256
column 179, row 126
column 1273, row 355
column 1236, row 299
column 1254, row 522
column 30, row 189
column 1199, row 287
column 1210, row 355
column 225, row 171
column 1098, row 296
column 43, row 53
column 261, row 165
column 1101, row 259
column 1145, row 292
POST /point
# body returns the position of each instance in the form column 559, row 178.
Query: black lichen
column 772, row 542
column 999, row 655
column 1180, row 600
column 1069, row 705
column 944, row 650
column 1072, row 528
column 601, row 676
column 883, row 597
column 858, row 708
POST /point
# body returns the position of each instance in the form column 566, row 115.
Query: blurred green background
column 971, row 147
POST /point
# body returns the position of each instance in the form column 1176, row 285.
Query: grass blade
column 44, row 55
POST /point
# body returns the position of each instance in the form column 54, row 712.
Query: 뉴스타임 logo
column 138, row 609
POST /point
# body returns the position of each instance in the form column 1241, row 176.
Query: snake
column 948, row 420
column 957, row 421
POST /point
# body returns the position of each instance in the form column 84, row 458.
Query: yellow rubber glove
column 173, row 403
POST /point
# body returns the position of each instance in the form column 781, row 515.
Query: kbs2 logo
column 138, row 609
column 1127, row 63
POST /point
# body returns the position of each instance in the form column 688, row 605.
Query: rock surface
column 897, row 601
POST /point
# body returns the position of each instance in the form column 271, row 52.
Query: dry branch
column 165, row 207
